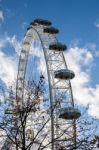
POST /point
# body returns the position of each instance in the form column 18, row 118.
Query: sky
column 78, row 22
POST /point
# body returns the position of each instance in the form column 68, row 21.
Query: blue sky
column 78, row 22
column 75, row 19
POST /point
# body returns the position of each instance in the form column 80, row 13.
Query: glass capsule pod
column 51, row 30
column 41, row 22
column 57, row 46
column 65, row 74
column 69, row 113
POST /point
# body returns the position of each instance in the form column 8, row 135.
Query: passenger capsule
column 69, row 113
column 65, row 74
column 41, row 22
column 51, row 30
column 57, row 47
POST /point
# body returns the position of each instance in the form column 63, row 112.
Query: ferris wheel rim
column 45, row 62
column 40, row 39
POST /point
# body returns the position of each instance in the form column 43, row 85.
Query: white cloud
column 8, row 64
column 14, row 42
column 7, row 68
column 75, row 42
column 97, row 24
column 2, row 43
column 80, row 60
column 94, row 110
column 91, row 46
column 1, row 16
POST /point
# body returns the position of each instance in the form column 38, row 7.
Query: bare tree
column 27, row 126
column 86, row 128
column 20, row 122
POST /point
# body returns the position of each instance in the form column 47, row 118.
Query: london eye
column 61, row 103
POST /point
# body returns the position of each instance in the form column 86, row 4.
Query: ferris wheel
column 62, row 111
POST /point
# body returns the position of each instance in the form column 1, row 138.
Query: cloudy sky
column 78, row 22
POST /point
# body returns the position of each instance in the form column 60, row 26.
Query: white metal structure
column 60, row 91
